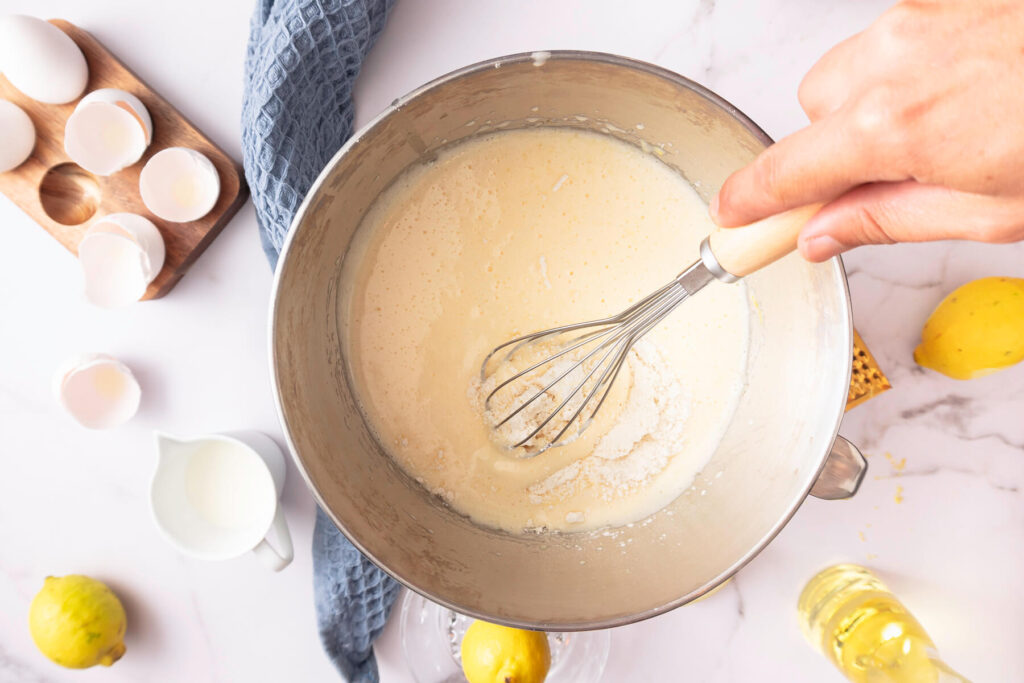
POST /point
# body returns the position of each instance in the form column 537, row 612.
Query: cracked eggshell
column 120, row 255
column 109, row 130
column 18, row 136
column 97, row 390
column 179, row 184
column 40, row 60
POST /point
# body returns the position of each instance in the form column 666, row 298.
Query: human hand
column 917, row 133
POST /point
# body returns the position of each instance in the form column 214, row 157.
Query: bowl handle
column 843, row 472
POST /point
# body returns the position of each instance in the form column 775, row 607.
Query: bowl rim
column 835, row 263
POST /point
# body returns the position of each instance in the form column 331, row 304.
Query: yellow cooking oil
column 853, row 619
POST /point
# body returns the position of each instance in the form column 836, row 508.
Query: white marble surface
column 75, row 501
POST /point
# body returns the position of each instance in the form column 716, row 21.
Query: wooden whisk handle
column 738, row 252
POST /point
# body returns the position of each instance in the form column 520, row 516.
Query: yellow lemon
column 77, row 622
column 976, row 330
column 499, row 654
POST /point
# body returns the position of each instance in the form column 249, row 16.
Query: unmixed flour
column 648, row 432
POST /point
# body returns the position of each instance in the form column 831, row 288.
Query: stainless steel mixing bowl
column 775, row 448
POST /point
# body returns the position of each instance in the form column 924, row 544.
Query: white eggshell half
column 97, row 390
column 126, row 101
column 179, row 184
column 40, row 60
column 17, row 136
column 120, row 255
column 109, row 130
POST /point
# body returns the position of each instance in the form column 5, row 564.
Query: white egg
column 108, row 131
column 179, row 184
column 120, row 255
column 40, row 60
column 18, row 138
column 97, row 390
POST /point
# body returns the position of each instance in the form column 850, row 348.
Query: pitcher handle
column 276, row 559
column 843, row 472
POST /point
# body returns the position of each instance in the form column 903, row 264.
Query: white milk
column 226, row 484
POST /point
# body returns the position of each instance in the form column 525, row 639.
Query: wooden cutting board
column 65, row 199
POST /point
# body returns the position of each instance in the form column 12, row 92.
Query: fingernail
column 713, row 208
column 821, row 248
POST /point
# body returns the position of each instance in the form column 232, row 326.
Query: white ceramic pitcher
column 218, row 496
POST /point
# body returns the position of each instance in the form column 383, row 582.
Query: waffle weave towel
column 302, row 59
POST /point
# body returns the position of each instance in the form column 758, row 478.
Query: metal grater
column 867, row 379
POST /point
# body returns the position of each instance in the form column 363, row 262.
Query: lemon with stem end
column 976, row 330
column 499, row 654
column 77, row 622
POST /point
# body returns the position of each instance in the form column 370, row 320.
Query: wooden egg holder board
column 65, row 198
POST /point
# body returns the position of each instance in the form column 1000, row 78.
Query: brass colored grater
column 867, row 379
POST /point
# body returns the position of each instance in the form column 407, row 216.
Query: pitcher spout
column 166, row 445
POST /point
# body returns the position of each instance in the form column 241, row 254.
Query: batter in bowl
column 524, row 230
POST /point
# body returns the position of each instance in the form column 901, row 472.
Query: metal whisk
column 595, row 350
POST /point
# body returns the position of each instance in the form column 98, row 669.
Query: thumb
column 884, row 213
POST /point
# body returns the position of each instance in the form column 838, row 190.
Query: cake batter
column 524, row 230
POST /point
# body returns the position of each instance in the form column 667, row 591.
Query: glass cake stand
column 432, row 639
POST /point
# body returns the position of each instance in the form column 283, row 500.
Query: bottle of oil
column 853, row 619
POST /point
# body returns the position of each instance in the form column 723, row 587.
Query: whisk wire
column 622, row 357
column 562, row 405
column 612, row 340
column 585, row 339
column 587, row 396
column 614, row 325
column 537, row 336
column 553, row 382
column 624, row 335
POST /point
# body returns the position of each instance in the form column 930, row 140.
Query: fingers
column 883, row 213
column 815, row 164
column 840, row 150
column 827, row 86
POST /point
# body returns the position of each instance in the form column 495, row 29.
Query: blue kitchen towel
column 302, row 60
column 300, row 66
